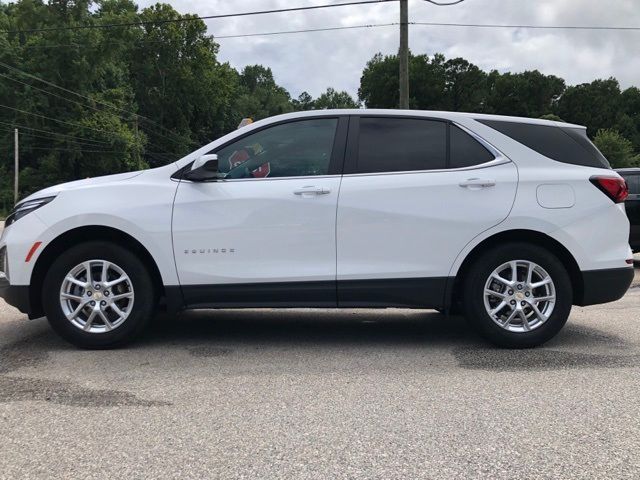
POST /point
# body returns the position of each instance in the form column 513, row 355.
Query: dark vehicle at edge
column 632, row 204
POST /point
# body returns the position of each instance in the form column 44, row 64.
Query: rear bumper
column 15, row 295
column 602, row 286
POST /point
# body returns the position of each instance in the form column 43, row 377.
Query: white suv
column 509, row 220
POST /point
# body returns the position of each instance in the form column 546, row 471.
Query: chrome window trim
column 492, row 163
column 233, row 180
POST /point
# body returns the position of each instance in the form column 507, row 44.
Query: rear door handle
column 476, row 183
column 311, row 190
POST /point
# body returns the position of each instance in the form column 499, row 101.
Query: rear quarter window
column 563, row 144
column 466, row 151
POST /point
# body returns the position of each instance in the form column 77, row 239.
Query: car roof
column 423, row 113
column 628, row 170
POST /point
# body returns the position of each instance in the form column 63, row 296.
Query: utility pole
column 16, row 164
column 403, row 54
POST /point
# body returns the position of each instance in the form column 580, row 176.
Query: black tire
column 141, row 311
column 473, row 295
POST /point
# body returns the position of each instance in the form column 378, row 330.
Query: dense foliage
column 89, row 102
column 612, row 116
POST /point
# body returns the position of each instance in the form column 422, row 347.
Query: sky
column 314, row 61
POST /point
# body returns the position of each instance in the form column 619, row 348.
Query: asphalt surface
column 258, row 394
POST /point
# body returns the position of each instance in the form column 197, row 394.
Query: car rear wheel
column 98, row 295
column 518, row 295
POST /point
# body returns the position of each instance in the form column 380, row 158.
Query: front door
column 265, row 235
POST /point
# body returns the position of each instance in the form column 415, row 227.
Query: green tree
column 617, row 149
column 379, row 82
column 465, row 86
column 303, row 102
column 259, row 96
column 526, row 94
column 596, row 105
column 334, row 99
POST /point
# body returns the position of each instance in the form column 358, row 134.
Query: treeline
column 89, row 102
column 612, row 115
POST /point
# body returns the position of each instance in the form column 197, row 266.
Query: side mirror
column 205, row 167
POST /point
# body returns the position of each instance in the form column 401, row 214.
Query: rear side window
column 563, row 144
column 466, row 151
column 401, row 144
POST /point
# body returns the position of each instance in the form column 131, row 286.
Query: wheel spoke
column 493, row 293
column 542, row 282
column 105, row 269
column 68, row 296
column 502, row 280
column 74, row 314
column 498, row 308
column 89, row 322
column 544, row 299
column 107, row 323
column 529, row 272
column 71, row 279
column 118, row 280
column 525, row 321
column 120, row 296
column 537, row 312
column 87, row 268
column 514, row 271
column 116, row 309
column 506, row 323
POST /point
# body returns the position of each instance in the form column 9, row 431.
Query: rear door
column 414, row 193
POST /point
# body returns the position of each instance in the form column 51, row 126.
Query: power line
column 194, row 18
column 307, row 30
column 141, row 117
column 216, row 37
column 72, row 137
column 75, row 102
column 73, row 124
column 551, row 27
column 36, row 135
column 354, row 27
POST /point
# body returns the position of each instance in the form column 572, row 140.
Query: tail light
column 613, row 187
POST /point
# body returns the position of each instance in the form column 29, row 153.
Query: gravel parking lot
column 323, row 394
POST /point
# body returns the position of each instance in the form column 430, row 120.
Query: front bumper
column 16, row 295
column 602, row 286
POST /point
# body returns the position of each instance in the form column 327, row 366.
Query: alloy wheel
column 96, row 296
column 519, row 296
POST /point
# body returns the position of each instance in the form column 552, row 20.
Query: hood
column 87, row 182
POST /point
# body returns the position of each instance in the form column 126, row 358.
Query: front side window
column 294, row 149
column 401, row 144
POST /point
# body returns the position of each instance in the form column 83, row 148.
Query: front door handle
column 311, row 190
column 476, row 183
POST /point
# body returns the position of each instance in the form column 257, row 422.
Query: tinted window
column 401, row 144
column 567, row 145
column 466, row 150
column 634, row 183
column 294, row 149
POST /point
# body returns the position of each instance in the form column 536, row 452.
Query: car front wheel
column 98, row 295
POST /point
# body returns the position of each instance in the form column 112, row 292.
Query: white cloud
column 315, row 61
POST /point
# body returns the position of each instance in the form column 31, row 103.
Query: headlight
column 23, row 208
